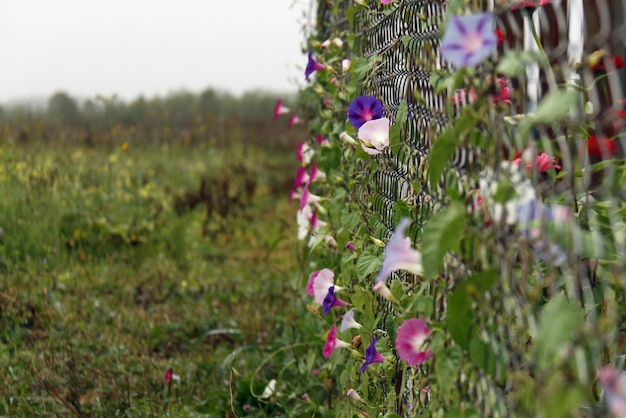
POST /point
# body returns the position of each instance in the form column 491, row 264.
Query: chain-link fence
column 580, row 44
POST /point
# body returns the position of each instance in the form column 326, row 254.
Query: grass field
column 119, row 263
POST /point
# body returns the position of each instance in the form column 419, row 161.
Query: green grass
column 107, row 281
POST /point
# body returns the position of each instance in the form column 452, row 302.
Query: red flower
column 618, row 61
column 531, row 4
column 500, row 36
column 600, row 147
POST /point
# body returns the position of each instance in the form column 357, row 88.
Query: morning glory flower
column 371, row 355
column 302, row 177
column 374, row 136
column 312, row 66
column 411, row 341
column 304, row 153
column 348, row 321
column 293, row 120
column 614, row 385
column 469, row 40
column 332, row 342
column 399, row 255
column 319, row 283
column 350, row 246
column 542, row 162
column 308, row 197
column 352, row 394
column 363, row 109
column 279, row 109
column 347, row 138
column 345, row 65
column 330, row 301
column 384, row 291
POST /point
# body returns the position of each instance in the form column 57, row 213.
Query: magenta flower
column 543, row 162
column 614, row 385
column 504, row 95
column 371, row 355
column 322, row 141
column 332, row 342
column 302, row 177
column 532, row 4
column 399, row 255
column 330, row 301
column 411, row 341
column 279, row 109
column 350, row 246
column 293, row 120
column 304, row 153
column 385, row 1
column 363, row 109
column 315, row 173
column 469, row 40
column 348, row 321
column 374, row 136
column 309, row 285
column 308, row 197
column 168, row 376
column 312, row 66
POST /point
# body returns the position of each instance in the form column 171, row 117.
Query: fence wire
column 581, row 39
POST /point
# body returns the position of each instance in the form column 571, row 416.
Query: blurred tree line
column 212, row 115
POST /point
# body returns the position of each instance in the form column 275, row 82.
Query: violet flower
column 348, row 321
column 330, row 301
column 469, row 40
column 374, row 136
column 332, row 342
column 371, row 355
column 399, row 255
column 363, row 109
column 279, row 109
column 411, row 341
column 312, row 66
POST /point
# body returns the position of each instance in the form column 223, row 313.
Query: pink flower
column 348, row 321
column 293, row 120
column 411, row 341
column 168, row 376
column 385, row 1
column 322, row 141
column 302, row 178
column 614, row 384
column 542, row 163
column 462, row 95
column 320, row 283
column 350, row 246
column 304, row 153
column 315, row 173
column 279, row 109
column 309, row 285
column 374, row 135
column 504, row 95
column 384, row 291
column 308, row 197
column 399, row 255
column 332, row 342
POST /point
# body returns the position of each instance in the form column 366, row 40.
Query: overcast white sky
column 149, row 47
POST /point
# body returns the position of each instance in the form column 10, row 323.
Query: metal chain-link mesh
column 581, row 40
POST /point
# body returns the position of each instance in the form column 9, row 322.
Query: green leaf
column 553, row 107
column 440, row 154
column 485, row 357
column 349, row 219
column 442, row 233
column 368, row 264
column 459, row 314
column 403, row 112
column 401, row 210
column 330, row 158
column 447, row 367
column 362, row 301
column 505, row 192
column 559, row 323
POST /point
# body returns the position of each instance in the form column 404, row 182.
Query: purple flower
column 312, row 66
column 350, row 246
column 411, row 341
column 364, row 108
column 469, row 40
column 331, row 301
column 399, row 255
column 371, row 355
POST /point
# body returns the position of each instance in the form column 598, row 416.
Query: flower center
column 473, row 42
column 367, row 115
column 417, row 343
